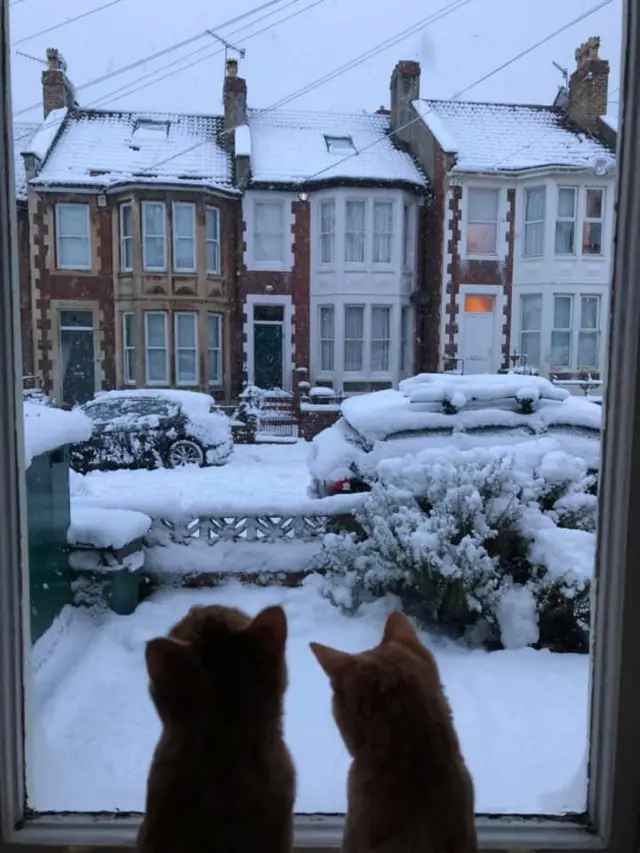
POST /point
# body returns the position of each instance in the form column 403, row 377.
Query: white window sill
column 495, row 258
column 61, row 268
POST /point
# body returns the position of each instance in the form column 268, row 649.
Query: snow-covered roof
column 47, row 428
column 22, row 134
column 104, row 148
column 289, row 146
column 508, row 137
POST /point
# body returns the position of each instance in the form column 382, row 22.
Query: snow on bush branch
column 492, row 545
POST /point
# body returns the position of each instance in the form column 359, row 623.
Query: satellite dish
column 601, row 166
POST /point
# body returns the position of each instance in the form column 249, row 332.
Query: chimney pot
column 232, row 67
column 57, row 90
column 588, row 86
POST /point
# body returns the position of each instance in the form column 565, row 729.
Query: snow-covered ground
column 521, row 715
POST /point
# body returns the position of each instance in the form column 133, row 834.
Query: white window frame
column 166, row 380
column 563, row 330
column 531, row 332
column 125, row 239
column 210, row 211
column 363, row 203
column 573, row 219
column 327, row 238
column 468, row 221
column 389, row 235
column 389, row 311
column 145, row 265
column 128, row 350
column 177, row 349
column 600, row 220
column 534, row 223
column 611, row 823
column 272, row 263
column 60, row 236
column 192, row 237
column 219, row 318
column 363, row 340
column 322, row 340
column 594, row 333
column 407, row 236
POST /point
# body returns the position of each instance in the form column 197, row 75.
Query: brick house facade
column 565, row 148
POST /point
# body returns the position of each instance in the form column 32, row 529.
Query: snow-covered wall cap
column 47, row 428
column 41, row 142
column 243, row 141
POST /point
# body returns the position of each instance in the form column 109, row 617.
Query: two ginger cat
column 222, row 778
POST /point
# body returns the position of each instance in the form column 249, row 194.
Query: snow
column 612, row 121
column 290, row 146
column 99, row 148
column 567, row 554
column 195, row 403
column 383, row 413
column 436, row 387
column 321, row 391
column 522, row 715
column 22, row 133
column 105, row 528
column 436, row 125
column 242, row 136
column 47, row 428
column 43, row 139
column 258, row 479
column 507, row 137
column 518, row 618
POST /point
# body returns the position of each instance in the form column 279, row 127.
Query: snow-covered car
column 434, row 411
column 152, row 429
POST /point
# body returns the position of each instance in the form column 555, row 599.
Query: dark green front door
column 267, row 355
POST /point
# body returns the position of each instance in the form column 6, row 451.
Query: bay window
column 214, row 348
column 327, row 231
column 534, row 221
column 561, row 331
column 354, row 238
column 212, row 239
column 154, row 236
column 382, row 232
column 185, row 332
column 482, row 221
column 531, row 328
column 353, row 337
column 566, row 221
column 126, row 237
column 327, row 338
column 593, row 222
column 156, row 347
column 184, row 237
column 589, row 332
column 380, row 338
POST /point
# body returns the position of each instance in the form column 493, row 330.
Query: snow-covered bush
column 460, row 536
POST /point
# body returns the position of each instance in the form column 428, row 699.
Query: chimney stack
column 405, row 88
column 234, row 99
column 57, row 90
column 588, row 86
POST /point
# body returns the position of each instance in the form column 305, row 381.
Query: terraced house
column 519, row 232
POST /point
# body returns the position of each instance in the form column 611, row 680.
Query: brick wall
column 294, row 284
column 311, row 423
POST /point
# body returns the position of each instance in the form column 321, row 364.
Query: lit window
column 73, row 236
column 482, row 221
column 478, row 304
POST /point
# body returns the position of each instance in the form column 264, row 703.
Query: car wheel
column 184, row 452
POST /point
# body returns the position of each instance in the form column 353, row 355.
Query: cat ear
column 398, row 629
column 167, row 659
column 269, row 627
column 331, row 660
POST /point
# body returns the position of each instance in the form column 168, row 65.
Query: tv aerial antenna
column 563, row 71
column 227, row 46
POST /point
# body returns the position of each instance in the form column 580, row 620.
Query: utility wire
column 68, row 21
column 152, row 56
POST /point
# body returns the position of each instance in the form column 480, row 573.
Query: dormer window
column 148, row 130
column 339, row 144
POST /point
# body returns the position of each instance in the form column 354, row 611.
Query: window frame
column 143, row 206
column 175, row 237
column 125, row 239
column 574, row 219
column 182, row 383
column 219, row 317
column 588, row 220
column 587, row 330
column 387, row 236
column 611, row 825
column 156, row 382
column 128, row 350
column 407, row 235
column 272, row 264
column 363, row 203
column 388, row 309
column 537, row 331
column 329, row 236
column 361, row 306
column 87, row 212
column 322, row 340
column 529, row 223
column 209, row 209
column 564, row 330
column 467, row 221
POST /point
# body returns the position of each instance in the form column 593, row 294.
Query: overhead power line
column 67, row 22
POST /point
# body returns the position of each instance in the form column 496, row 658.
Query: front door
column 77, row 357
column 268, row 339
column 477, row 333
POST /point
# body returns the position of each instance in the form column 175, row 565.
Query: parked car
column 432, row 411
column 152, row 429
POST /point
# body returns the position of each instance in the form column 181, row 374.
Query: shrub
column 464, row 540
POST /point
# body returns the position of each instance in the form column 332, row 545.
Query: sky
column 306, row 40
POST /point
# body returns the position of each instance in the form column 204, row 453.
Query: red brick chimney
column 234, row 99
column 588, row 86
column 57, row 90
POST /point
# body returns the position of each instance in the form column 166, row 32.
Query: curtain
column 382, row 232
column 354, row 232
column 354, row 334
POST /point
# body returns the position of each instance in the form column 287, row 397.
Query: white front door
column 476, row 338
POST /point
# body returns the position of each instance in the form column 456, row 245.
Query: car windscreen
column 128, row 408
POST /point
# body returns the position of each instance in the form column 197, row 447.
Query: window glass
column 268, row 232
